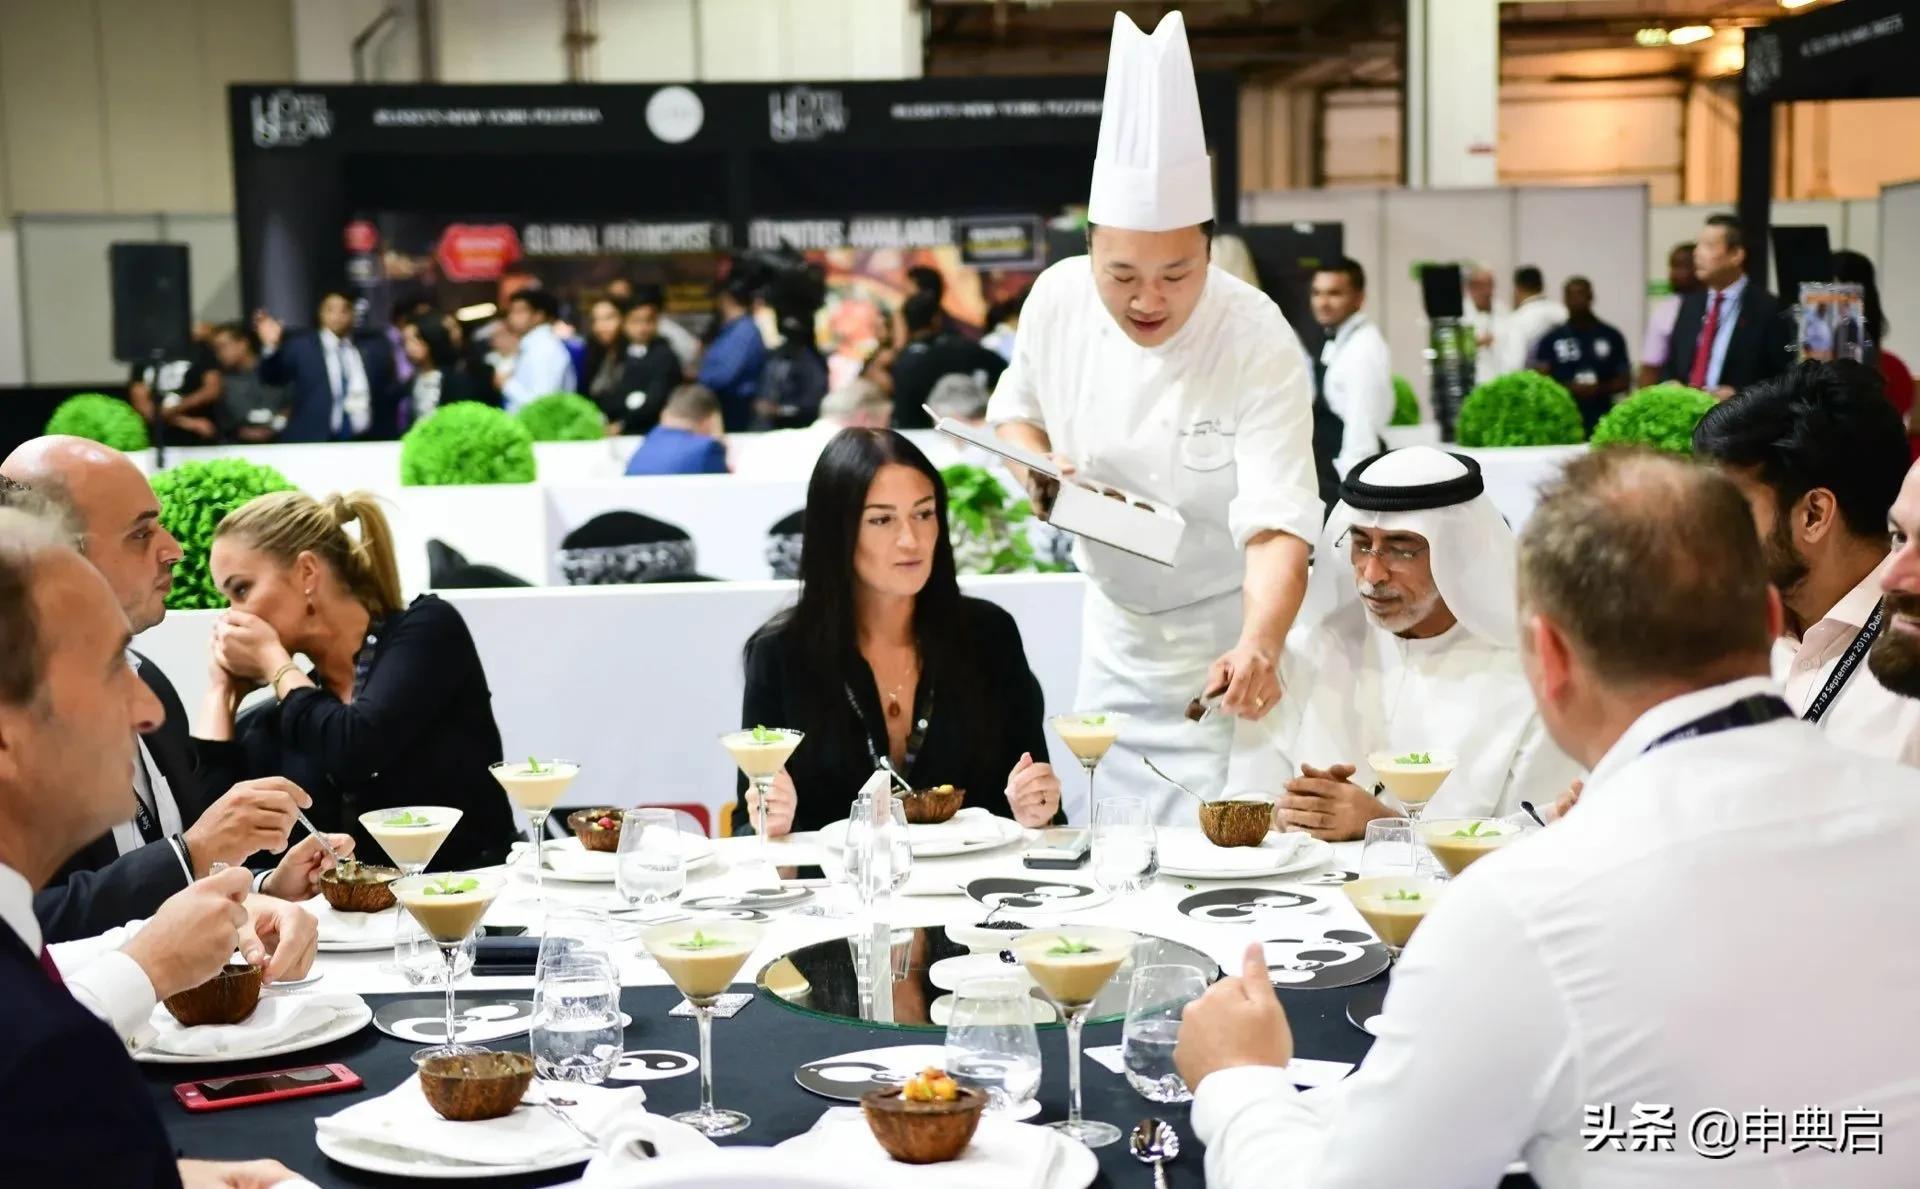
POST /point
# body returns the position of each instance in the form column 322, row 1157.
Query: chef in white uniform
column 1144, row 367
column 1406, row 642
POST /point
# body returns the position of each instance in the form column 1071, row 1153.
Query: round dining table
column 758, row 1050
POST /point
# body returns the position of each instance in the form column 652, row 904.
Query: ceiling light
column 1651, row 37
column 1688, row 34
column 1795, row 3
column 485, row 309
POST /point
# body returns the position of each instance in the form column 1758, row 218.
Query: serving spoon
column 1155, row 768
column 1154, row 1142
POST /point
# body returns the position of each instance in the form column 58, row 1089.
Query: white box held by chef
column 1086, row 506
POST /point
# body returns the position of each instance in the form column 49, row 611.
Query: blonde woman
column 395, row 710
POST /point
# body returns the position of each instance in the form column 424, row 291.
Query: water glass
column 1125, row 851
column 1155, row 999
column 419, row 960
column 577, row 1034
column 650, row 866
column 899, row 845
column 879, row 854
column 1393, row 848
column 991, row 1044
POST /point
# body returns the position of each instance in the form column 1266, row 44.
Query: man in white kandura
column 1583, row 997
column 1144, row 367
column 1411, row 648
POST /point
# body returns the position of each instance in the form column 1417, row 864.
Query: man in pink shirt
column 1820, row 456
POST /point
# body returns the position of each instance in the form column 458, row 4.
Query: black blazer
column 1757, row 351
column 301, row 365
column 978, row 722
column 72, row 1105
column 419, row 731
column 98, row 888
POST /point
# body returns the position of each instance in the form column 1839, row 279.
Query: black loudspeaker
column 1440, row 290
column 152, row 306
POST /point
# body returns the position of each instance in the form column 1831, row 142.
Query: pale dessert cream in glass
column 534, row 785
column 411, row 834
column 1394, row 905
column 761, row 751
column 1072, row 965
column 448, row 907
column 1413, row 777
column 701, row 958
column 1459, row 842
column 1088, row 736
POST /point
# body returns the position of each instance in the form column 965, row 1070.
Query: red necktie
column 53, row 971
column 1703, row 349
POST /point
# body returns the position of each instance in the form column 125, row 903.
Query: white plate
column 1241, row 862
column 1076, row 1168
column 834, row 836
column 343, row 1026
column 700, row 853
column 948, row 973
column 399, row 1163
column 365, row 946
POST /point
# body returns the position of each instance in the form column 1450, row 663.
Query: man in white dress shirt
column 1410, row 647
column 1520, row 330
column 1820, row 454
column 1148, row 369
column 73, row 1110
column 1353, row 382
column 1599, row 986
column 541, row 364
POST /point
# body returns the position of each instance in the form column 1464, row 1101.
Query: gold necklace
column 893, row 694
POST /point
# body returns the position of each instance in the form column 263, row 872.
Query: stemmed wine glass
column 701, row 957
column 1089, row 735
column 1072, row 966
column 761, row 752
column 449, row 908
column 534, row 787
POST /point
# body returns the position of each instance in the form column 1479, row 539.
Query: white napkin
column 577, row 862
column 1190, row 849
column 401, row 1119
column 621, row 1162
column 1003, row 1153
column 972, row 824
column 351, row 928
column 278, row 1019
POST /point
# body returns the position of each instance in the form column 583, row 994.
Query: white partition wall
column 1899, row 267
column 637, row 682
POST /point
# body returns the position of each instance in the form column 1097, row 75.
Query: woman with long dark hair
column 882, row 657
column 439, row 375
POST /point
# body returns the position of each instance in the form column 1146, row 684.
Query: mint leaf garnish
column 1094, row 720
column 1401, row 894
column 533, row 766
column 1064, row 946
column 763, row 735
column 1415, row 757
column 448, row 886
column 406, row 818
column 699, row 941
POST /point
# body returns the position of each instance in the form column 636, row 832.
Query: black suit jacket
column 1757, row 351
column 72, row 1104
column 301, row 365
column 98, row 888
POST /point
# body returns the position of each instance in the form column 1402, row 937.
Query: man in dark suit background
column 73, row 1105
column 344, row 384
column 1731, row 333
column 178, row 829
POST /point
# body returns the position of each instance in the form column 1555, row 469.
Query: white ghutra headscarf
column 1440, row 496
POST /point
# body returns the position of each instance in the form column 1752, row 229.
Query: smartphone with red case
column 246, row 1089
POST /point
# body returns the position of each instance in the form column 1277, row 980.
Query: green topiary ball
column 1662, row 416
column 194, row 498
column 466, row 442
column 1406, row 406
column 100, row 418
column 1520, row 409
column 563, row 417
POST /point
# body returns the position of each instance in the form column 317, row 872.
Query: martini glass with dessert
column 449, row 908
column 1072, row 966
column 535, row 786
column 702, row 958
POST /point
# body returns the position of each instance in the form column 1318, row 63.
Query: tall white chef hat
column 1150, row 172
column 1440, row 496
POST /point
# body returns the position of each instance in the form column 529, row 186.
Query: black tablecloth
column 755, row 1054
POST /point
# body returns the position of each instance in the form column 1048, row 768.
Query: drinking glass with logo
column 991, row 1043
column 1155, row 998
column 577, row 1035
column 1126, row 854
column 650, row 867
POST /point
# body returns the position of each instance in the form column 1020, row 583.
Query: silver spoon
column 553, row 1106
column 1154, row 1142
column 1170, row 780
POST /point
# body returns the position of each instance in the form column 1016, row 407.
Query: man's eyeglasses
column 1390, row 556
